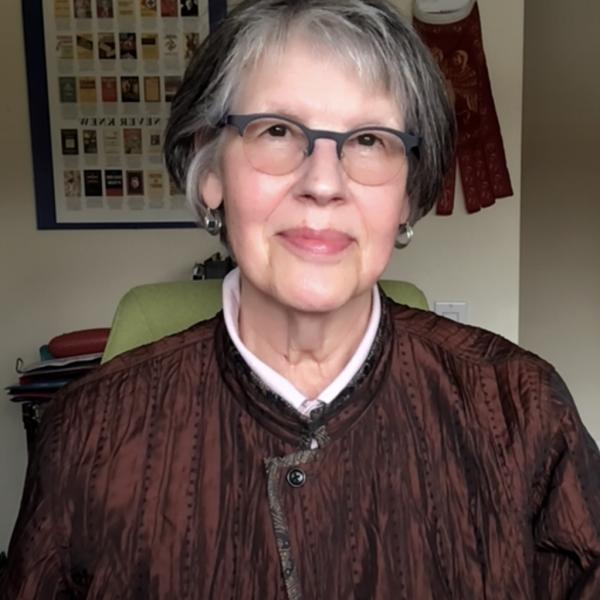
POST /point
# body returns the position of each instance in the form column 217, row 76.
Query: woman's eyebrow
column 283, row 112
column 294, row 116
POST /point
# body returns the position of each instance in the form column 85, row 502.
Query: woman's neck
column 308, row 349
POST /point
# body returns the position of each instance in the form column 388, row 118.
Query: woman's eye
column 277, row 130
column 367, row 139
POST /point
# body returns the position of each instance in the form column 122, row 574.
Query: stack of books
column 64, row 359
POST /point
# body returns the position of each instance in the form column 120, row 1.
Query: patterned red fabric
column 458, row 49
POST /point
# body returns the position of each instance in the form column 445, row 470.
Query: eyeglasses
column 276, row 145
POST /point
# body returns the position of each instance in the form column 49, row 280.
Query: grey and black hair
column 369, row 35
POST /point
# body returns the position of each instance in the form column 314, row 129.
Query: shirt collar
column 276, row 382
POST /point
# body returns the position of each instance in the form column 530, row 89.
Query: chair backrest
column 149, row 312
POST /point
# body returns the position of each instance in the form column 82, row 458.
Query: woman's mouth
column 316, row 242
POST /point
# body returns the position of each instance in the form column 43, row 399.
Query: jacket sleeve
column 37, row 554
column 566, row 494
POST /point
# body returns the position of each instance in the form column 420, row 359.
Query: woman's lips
column 319, row 242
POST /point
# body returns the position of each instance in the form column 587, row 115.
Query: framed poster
column 101, row 77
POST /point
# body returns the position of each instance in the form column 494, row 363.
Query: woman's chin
column 306, row 286
column 314, row 295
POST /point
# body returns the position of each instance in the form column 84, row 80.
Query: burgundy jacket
column 455, row 466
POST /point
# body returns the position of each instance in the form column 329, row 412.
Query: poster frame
column 40, row 126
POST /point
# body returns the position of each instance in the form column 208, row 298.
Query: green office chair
column 149, row 312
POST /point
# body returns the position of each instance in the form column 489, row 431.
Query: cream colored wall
column 560, row 267
column 53, row 281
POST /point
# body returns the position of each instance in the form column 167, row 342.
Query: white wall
column 52, row 282
column 560, row 263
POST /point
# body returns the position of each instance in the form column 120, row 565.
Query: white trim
column 440, row 16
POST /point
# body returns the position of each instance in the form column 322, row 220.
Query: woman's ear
column 211, row 190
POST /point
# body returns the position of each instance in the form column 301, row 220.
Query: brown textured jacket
column 455, row 466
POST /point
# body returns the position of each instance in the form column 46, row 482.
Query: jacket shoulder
column 466, row 342
column 166, row 350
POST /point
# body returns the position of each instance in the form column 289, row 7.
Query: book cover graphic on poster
column 90, row 141
column 192, row 41
column 92, row 182
column 168, row 8
column 189, row 8
column 127, row 46
column 113, row 179
column 154, row 146
column 72, row 184
column 105, row 9
column 132, row 140
column 87, row 90
column 149, row 42
column 83, row 9
column 62, row 9
column 148, row 8
column 69, row 142
column 130, row 89
column 155, row 184
column 170, row 46
column 126, row 8
column 135, row 183
column 64, row 47
column 111, row 141
column 107, row 46
column 172, row 83
column 67, row 89
column 109, row 89
column 152, row 89
column 85, row 46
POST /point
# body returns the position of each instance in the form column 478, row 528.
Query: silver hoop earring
column 404, row 235
column 211, row 221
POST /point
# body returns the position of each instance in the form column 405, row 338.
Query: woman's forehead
column 301, row 78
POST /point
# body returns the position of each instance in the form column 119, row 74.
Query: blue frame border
column 39, row 120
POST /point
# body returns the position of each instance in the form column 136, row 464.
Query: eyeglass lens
column 278, row 147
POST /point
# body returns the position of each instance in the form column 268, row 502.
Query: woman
column 315, row 440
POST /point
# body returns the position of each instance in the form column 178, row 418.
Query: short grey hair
column 369, row 35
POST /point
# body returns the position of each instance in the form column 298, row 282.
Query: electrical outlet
column 457, row 311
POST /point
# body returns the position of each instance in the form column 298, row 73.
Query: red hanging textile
column 458, row 49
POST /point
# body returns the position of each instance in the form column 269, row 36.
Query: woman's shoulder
column 507, row 387
column 496, row 372
column 464, row 342
column 129, row 374
column 138, row 386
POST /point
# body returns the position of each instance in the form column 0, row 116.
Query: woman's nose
column 322, row 178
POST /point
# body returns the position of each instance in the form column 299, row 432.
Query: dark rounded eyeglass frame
column 240, row 122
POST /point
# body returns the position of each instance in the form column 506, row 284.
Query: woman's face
column 312, row 239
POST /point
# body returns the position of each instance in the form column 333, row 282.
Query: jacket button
column 296, row 477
